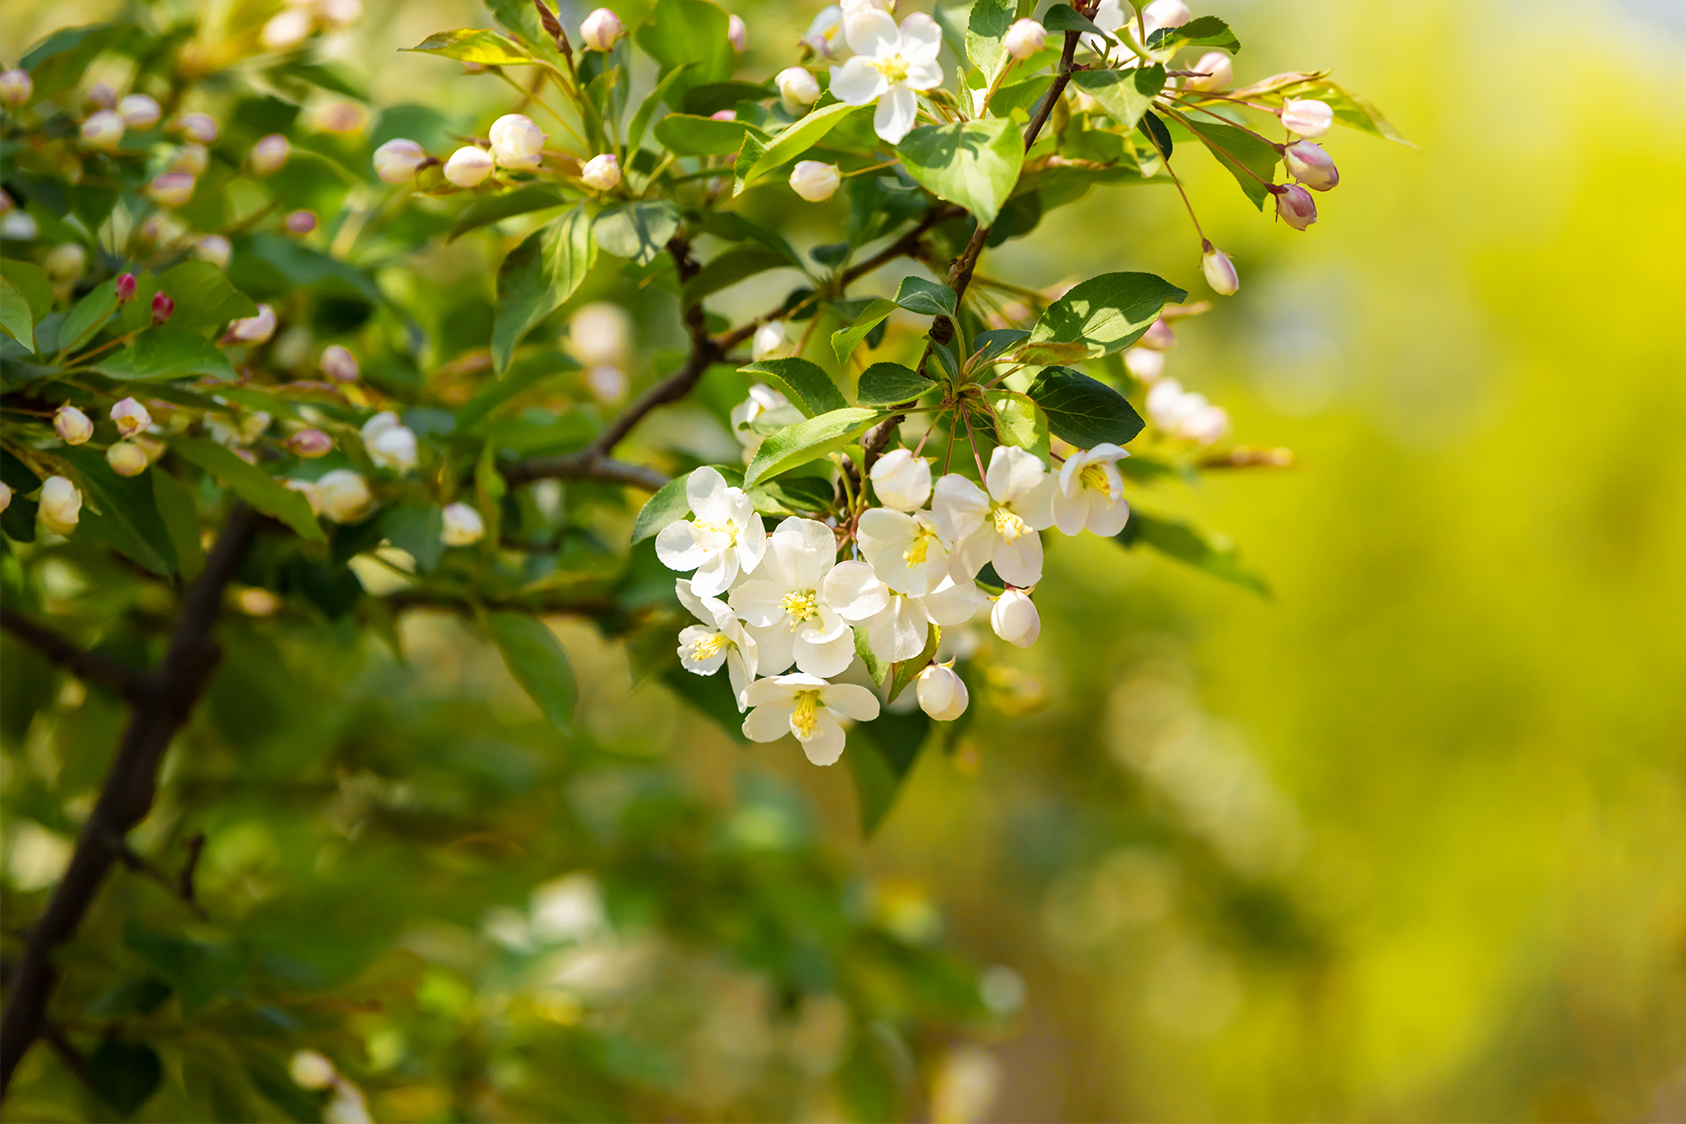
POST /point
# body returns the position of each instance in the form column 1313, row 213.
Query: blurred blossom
column 1024, row 39
column 1145, row 363
column 310, row 443
column 213, row 248
column 61, row 505
column 253, row 329
column 344, row 495
column 163, row 307
column 826, row 32
column 300, row 222
column 139, row 111
column 347, row 1105
column 770, row 342
column 19, row 226
column 462, row 525
column 737, row 33
column 311, row 1070
column 171, row 189
column 16, row 86
column 35, row 856
column 126, row 458
column 197, row 127
column 398, row 160
column 100, row 96
column 601, row 172
column 966, row 1085
column 339, row 364
column 1164, row 13
column 1218, row 70
column 256, row 602
column 191, row 159
column 66, row 262
column 608, row 384
column 286, row 29
column 1158, row 337
column 310, row 490
column 1001, row 989
column 599, row 334
column 568, row 909
column 390, row 444
column 270, row 153
column 102, row 131
column 73, row 426
column 127, row 284
column 339, row 14
column 343, row 118
column 5, row 496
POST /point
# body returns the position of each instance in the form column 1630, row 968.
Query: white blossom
column 286, row 29
column 398, row 160
column 787, row 602
column 16, row 86
column 905, row 550
column 901, row 480
column 1091, row 492
column 516, row 142
column 822, row 33
column 727, row 537
column 601, row 29
column 468, row 166
column 131, row 417
column 61, row 505
column 1024, row 38
column 601, row 172
column 339, row 364
column 1295, row 206
column 171, row 189
column 1015, row 619
column 253, row 329
column 720, row 639
column 1185, row 414
column 769, row 342
column 998, row 526
column 139, row 111
column 1164, row 13
column 809, row 708
column 763, row 402
column 390, row 444
column 461, row 525
column 103, row 130
column 1145, row 363
column 897, row 623
column 888, row 67
column 213, row 248
column 1307, row 117
column 66, row 262
column 798, row 88
column 345, row 496
column 941, row 692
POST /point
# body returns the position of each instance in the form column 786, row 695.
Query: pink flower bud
column 163, row 307
column 1218, row 71
column 723, row 115
column 100, row 96
column 1024, row 39
column 102, row 131
column 73, row 426
column 398, row 160
column 1159, row 336
column 1220, row 271
column 737, row 33
column 213, row 248
column 253, row 329
column 1308, row 163
column 270, row 153
column 171, row 189
column 339, row 364
column 601, row 29
column 601, row 172
column 310, row 443
column 126, row 286
column 16, row 86
column 197, row 127
column 300, row 222
column 139, row 111
column 1295, row 206
column 127, row 458
column 468, row 166
column 1307, row 118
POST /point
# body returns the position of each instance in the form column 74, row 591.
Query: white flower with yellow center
column 897, row 623
column 811, row 709
column 998, row 526
column 904, row 550
column 1091, row 492
column 787, row 607
column 889, row 65
column 727, row 537
column 720, row 639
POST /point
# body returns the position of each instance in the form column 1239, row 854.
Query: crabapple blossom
column 720, row 640
column 16, row 86
column 798, row 89
column 769, row 342
column 897, row 623
column 815, row 180
column 1090, row 494
column 468, row 166
column 1145, row 363
column 391, row 444
column 889, row 66
column 601, row 172
column 339, row 364
column 139, row 111
column 517, row 143
column 1311, row 165
column 999, row 525
column 286, row 29
column 310, row 443
column 941, row 692
column 726, row 538
column 904, row 549
column 72, row 425
column 300, row 222
column 823, row 32
column 131, row 417
column 345, row 495
column 763, row 403
column 786, row 602
column 191, row 159
column 253, row 329
column 1215, row 72
column 269, row 154
column 1015, row 619
column 461, row 525
column 1220, row 271
column 601, row 30
column 1186, row 415
column 1295, row 206
column 126, row 458
column 310, row 490
column 1164, row 13
column 61, row 505
column 809, row 708
column 398, row 160
column 1305, row 117
column 1024, row 39
column 901, row 480
column 737, row 33
column 102, row 131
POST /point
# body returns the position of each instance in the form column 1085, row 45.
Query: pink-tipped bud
column 1024, row 39
column 102, row 131
column 310, row 443
column 131, row 417
column 100, row 96
column 398, row 160
column 339, row 364
column 16, row 87
column 1220, row 271
column 197, row 127
column 126, row 286
column 1214, row 71
column 723, row 115
column 1159, row 337
column 73, row 426
column 213, row 248
column 601, row 29
column 139, row 111
column 171, row 189
column 270, row 153
column 163, row 307
column 737, row 33
column 1308, row 163
column 1306, row 117
column 300, row 222
column 1295, row 206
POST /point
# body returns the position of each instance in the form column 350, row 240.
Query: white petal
column 958, row 508
column 774, row 648
column 807, row 550
column 857, row 82
column 825, row 625
column 752, row 543
column 912, row 628
column 768, row 722
column 897, row 112
column 1107, row 519
column 1019, row 563
column 706, row 490
column 971, row 552
column 692, row 602
column 869, row 30
column 825, row 659
column 881, row 633
column 923, row 75
column 922, row 39
column 798, row 681
column 1071, row 509
column 1013, row 473
column 855, row 591
column 851, row 701
column 688, row 637
column 1036, row 505
column 826, row 746
column 879, row 527
column 764, row 691
column 740, row 672
column 952, row 603
column 715, row 575
column 761, row 603
column 678, row 548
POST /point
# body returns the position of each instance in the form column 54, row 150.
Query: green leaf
column 198, row 972
column 788, row 145
column 733, row 264
column 88, row 315
column 890, row 384
column 414, row 529
column 1215, row 554
column 1083, row 411
column 693, row 34
column 1204, row 31
column 997, row 342
column 686, row 135
column 807, row 441
column 1124, row 94
column 165, row 352
column 1350, row 109
column 546, row 269
column 702, row 101
column 1248, row 157
column 475, row 44
column 1157, row 134
column 538, row 663
column 880, row 756
column 843, row 343
column 985, row 28
column 641, row 119
column 805, row 383
column 125, row 1074
column 1063, row 17
column 639, row 231
column 799, row 495
column 252, row 484
column 520, row 377
column 908, row 670
column 928, row 298
column 1101, row 315
column 972, row 163
column 493, row 208
column 1019, row 421
column 121, row 511
column 32, row 281
column 204, row 298
column 15, row 317
column 181, row 521
column 668, row 505
column 875, row 667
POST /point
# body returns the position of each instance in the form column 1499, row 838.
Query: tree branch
column 91, row 667
column 162, row 701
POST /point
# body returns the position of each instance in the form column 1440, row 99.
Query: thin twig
column 90, row 667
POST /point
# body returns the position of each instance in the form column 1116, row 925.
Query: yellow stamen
column 730, row 530
column 801, row 605
column 806, row 718
column 1008, row 525
column 915, row 555
column 1094, row 476
column 709, row 646
column 894, row 69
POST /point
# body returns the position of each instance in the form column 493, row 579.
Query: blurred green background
column 1406, row 840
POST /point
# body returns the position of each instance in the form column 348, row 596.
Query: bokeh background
column 1405, row 840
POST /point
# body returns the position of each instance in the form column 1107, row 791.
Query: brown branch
column 90, row 667
column 1250, row 458
column 161, row 704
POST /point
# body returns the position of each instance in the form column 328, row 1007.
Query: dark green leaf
column 807, row 441
column 647, row 110
column 929, row 298
column 538, row 663
column 121, row 512
column 1124, row 94
column 691, row 34
column 165, row 352
column 843, row 343
column 535, row 278
column 701, row 136
column 668, row 505
column 15, row 316
column 712, row 98
column 972, row 163
column 1101, row 315
column 88, row 315
column 880, row 756
column 805, row 383
column 1247, row 156
column 788, row 145
column 997, row 342
column 475, row 44
column 252, row 484
column 639, row 231
column 204, row 298
column 415, row 529
column 198, row 972
column 125, row 1074
column 1157, row 134
column 1203, row 31
column 492, row 208
column 1063, row 17
column 32, row 281
column 1215, row 554
column 1083, row 411
column 793, row 495
column 985, row 27
column 889, row 384
column 181, row 521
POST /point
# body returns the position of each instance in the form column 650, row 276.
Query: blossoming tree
column 218, row 388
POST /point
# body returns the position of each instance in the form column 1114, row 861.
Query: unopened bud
column 100, row 96
column 309, row 490
column 19, row 226
column 131, row 417
column 1145, row 363
column 601, row 29
column 286, row 29
column 468, row 166
column 253, row 329
column 171, row 189
column 1164, row 13
column 66, row 262
column 601, row 172
column 462, row 527
column 139, row 111
column 1295, row 206
column 389, row 444
column 398, row 160
column 16, row 86
column 1220, row 271
column 300, row 222
column 191, row 159
column 723, row 115
column 517, row 143
column 339, row 13
column 1159, row 336
column 814, row 180
column 126, row 458
column 901, row 480
column 798, row 88
column 1308, row 163
column 1024, row 38
column 339, row 364
column 345, row 495
column 102, row 131
column 73, row 426
column 126, row 286
column 5, row 495
column 163, row 307
column 1015, row 619
column 1307, row 118
column 1214, row 72
column 769, row 342
column 213, row 248
column 942, row 693
column 310, row 1070
column 197, row 128
column 61, row 505
column 270, row 153
column 310, row 443
column 342, row 118
column 737, row 33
